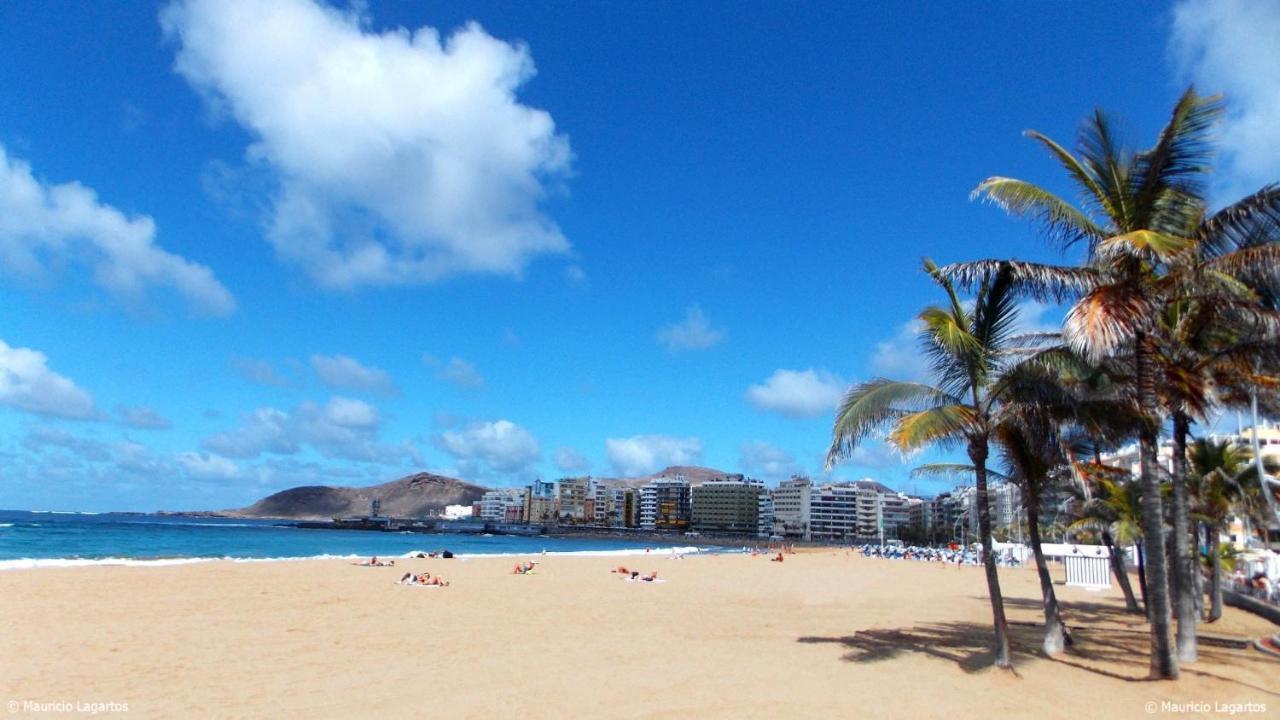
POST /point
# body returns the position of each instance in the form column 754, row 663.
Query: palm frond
column 1037, row 281
column 873, row 406
column 1106, row 319
column 1088, row 183
column 1062, row 224
column 1179, row 160
column 950, row 471
column 1109, row 163
column 1248, row 222
column 1139, row 243
column 1255, row 265
column 944, row 329
column 944, row 426
column 995, row 315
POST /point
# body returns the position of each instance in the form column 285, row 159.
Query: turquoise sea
column 58, row 539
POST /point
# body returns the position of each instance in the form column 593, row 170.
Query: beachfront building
column 625, row 511
column 920, row 517
column 1005, row 502
column 457, row 512
column 541, row 505
column 764, row 514
column 833, row 513
column 573, row 495
column 730, row 505
column 665, row 504
column 791, row 507
column 503, row 505
column 895, row 513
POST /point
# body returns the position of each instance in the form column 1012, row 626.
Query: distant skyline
column 246, row 246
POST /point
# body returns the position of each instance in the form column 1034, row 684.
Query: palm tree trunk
column 978, row 454
column 1164, row 664
column 1142, row 578
column 1056, row 635
column 1215, row 574
column 1122, row 575
column 1184, row 571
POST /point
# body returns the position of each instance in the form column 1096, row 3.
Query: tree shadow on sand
column 1108, row 642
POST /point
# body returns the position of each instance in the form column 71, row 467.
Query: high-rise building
column 573, row 494
column 665, row 504
column 626, row 508
column 503, row 505
column 541, row 505
column 833, row 513
column 791, row 507
column 731, row 505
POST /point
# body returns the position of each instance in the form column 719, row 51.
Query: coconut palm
column 1214, row 469
column 1147, row 242
column 1113, row 509
column 966, row 348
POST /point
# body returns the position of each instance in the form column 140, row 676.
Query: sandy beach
column 726, row 636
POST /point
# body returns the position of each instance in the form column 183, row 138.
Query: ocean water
column 53, row 539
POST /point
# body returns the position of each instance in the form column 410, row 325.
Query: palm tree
column 1148, row 241
column 1214, row 469
column 1114, row 510
column 965, row 347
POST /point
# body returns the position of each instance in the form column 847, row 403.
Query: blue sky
column 247, row 246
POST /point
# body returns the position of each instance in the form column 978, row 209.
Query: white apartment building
column 503, row 505
column 665, row 504
column 791, row 507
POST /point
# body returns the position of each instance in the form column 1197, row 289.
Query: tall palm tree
column 965, row 346
column 1142, row 216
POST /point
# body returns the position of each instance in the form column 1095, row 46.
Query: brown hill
column 414, row 496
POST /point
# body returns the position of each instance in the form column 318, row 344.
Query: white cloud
column 642, row 454
column 874, row 454
column 456, row 371
column 345, row 373
column 204, row 466
column 1233, row 47
column 341, row 428
column 264, row 430
column 694, row 332
column 401, row 157
column 27, row 383
column 485, row 449
column 571, row 461
column 763, row 460
column 1038, row 317
column 45, row 226
column 259, row 371
column 798, row 393
column 900, row 358
column 143, row 418
column 43, row 436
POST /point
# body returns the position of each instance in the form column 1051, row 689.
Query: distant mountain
column 413, row 496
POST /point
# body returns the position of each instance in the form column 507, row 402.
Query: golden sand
column 823, row 634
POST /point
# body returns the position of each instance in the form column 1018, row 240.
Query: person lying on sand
column 523, row 568
column 622, row 570
column 777, row 559
column 375, row 562
column 423, row 579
